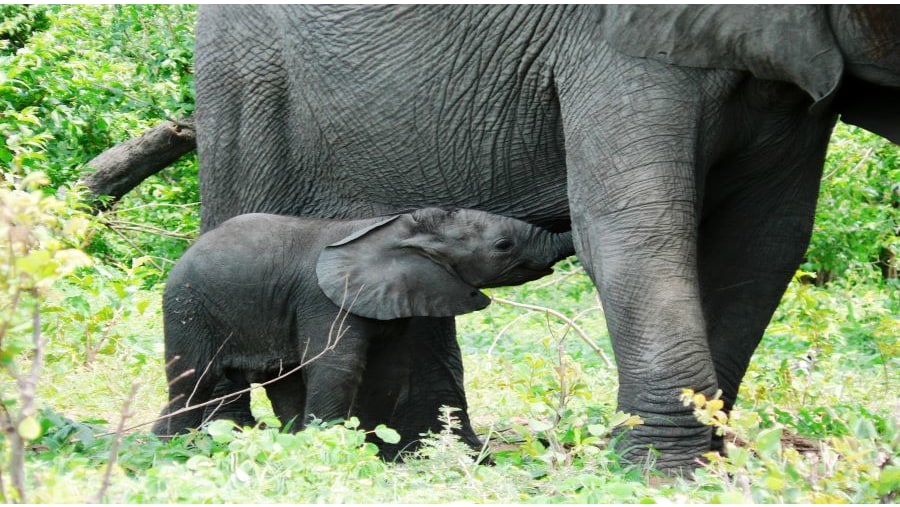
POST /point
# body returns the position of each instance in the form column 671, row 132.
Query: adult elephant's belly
column 510, row 163
column 517, row 179
column 435, row 124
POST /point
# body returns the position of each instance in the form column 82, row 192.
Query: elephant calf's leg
column 234, row 407
column 332, row 379
column 411, row 373
column 188, row 386
column 288, row 397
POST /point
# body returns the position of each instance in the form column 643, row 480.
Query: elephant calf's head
column 431, row 263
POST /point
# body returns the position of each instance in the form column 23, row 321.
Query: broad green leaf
column 386, row 434
column 221, row 430
column 539, row 425
column 79, row 303
column 768, row 442
column 597, row 430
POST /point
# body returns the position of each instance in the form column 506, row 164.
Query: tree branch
column 122, row 167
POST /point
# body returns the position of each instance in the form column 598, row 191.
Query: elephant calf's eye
column 503, row 245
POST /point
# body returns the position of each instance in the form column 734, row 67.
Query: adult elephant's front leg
column 634, row 212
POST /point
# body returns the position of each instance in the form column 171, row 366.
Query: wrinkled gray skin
column 682, row 144
column 262, row 295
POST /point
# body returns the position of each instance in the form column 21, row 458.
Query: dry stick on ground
column 560, row 316
column 114, row 448
column 333, row 339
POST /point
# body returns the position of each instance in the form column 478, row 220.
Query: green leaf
column 387, row 434
column 889, row 480
column 732, row 497
column 221, row 430
column 79, row 303
column 199, row 462
column 29, row 428
column 598, row 430
column 768, row 442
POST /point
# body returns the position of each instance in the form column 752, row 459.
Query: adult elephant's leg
column 631, row 135
column 410, row 374
column 755, row 230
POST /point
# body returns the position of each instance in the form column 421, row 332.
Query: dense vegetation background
column 81, row 341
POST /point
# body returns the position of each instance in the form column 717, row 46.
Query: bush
column 96, row 76
column 857, row 230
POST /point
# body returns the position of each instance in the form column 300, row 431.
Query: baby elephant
column 262, row 295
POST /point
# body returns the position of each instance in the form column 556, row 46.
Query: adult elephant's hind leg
column 755, row 230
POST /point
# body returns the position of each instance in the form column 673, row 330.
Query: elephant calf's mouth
column 518, row 276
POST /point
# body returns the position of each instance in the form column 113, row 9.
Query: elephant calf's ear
column 373, row 274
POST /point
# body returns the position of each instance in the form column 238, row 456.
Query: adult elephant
column 682, row 144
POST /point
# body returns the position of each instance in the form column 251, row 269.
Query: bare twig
column 114, row 447
column 559, row 278
column 206, row 370
column 147, row 229
column 128, row 240
column 560, row 316
column 859, row 164
column 118, row 210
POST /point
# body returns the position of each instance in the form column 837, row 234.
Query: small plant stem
column 26, row 385
column 5, row 427
column 137, row 248
column 114, row 447
column 503, row 331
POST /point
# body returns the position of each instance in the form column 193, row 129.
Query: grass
column 825, row 376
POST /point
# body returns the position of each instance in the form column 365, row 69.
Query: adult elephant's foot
column 672, row 442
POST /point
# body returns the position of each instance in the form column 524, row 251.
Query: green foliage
column 95, row 76
column 18, row 22
column 858, row 216
column 37, row 233
column 762, row 466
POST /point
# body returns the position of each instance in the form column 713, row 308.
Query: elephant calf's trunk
column 558, row 246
